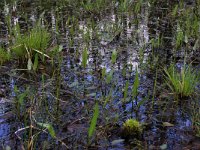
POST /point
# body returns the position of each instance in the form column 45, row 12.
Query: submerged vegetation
column 61, row 58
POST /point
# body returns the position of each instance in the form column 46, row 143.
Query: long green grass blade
column 84, row 58
column 126, row 90
column 109, row 77
column 114, row 56
column 93, row 121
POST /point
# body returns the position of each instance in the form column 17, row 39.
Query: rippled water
column 80, row 88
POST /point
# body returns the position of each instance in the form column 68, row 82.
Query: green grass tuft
column 4, row 56
column 27, row 45
column 183, row 83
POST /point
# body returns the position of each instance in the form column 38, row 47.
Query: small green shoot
column 109, row 77
column 49, row 127
column 4, row 56
column 126, row 90
column 114, row 56
column 84, row 58
column 93, row 121
column 135, row 85
column 103, row 72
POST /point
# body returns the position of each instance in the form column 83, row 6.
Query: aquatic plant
column 109, row 77
column 141, row 55
column 132, row 127
column 27, row 45
column 126, row 91
column 114, row 56
column 103, row 72
column 135, row 85
column 156, row 42
column 183, row 83
column 4, row 56
column 93, row 121
column 84, row 58
column 138, row 6
column 20, row 100
column 94, row 7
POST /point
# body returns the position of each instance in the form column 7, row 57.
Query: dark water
column 79, row 88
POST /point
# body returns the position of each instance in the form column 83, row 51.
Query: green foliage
column 103, row 72
column 109, row 77
column 93, row 121
column 138, row 6
column 21, row 96
column 132, row 127
column 4, row 56
column 108, row 98
column 182, row 83
column 156, row 43
column 96, row 6
column 114, row 56
column 174, row 11
column 135, row 85
column 126, row 5
column 126, row 90
column 179, row 36
column 84, row 58
column 141, row 55
column 20, row 100
column 49, row 127
column 36, row 41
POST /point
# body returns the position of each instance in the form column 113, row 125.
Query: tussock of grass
column 182, row 83
column 37, row 39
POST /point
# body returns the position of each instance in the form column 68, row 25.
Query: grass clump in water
column 4, row 56
column 27, row 45
column 183, row 83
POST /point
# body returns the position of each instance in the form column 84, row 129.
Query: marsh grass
column 135, row 85
column 84, row 58
column 183, row 83
column 126, row 91
column 93, row 122
column 179, row 36
column 114, row 56
column 4, row 56
column 195, row 117
column 27, row 45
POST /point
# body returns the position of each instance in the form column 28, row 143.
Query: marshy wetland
column 100, row 74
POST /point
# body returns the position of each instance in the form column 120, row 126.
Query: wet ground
column 65, row 93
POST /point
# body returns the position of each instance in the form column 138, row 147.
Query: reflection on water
column 129, row 35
